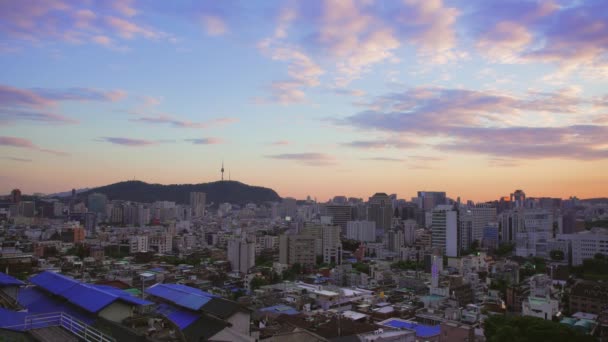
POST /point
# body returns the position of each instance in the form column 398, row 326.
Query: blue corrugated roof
column 6, row 280
column 281, row 310
column 124, row 295
column 420, row 329
column 185, row 296
column 36, row 302
column 180, row 317
column 9, row 318
column 55, row 283
column 89, row 297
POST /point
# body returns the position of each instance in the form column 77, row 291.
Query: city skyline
column 324, row 98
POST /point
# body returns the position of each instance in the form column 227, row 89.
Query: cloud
column 378, row 144
column 214, row 25
column 33, row 104
column 280, row 143
column 23, row 160
column 99, row 22
column 425, row 158
column 130, row 141
column 27, row 144
column 167, row 119
column 205, row 141
column 9, row 116
column 311, row 159
column 468, row 121
column 387, row 159
column 572, row 36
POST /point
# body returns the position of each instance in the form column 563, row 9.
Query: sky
column 318, row 97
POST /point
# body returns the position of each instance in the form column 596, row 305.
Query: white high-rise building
column 586, row 244
column 241, row 254
column 537, row 231
column 361, row 231
column 332, row 245
column 139, row 244
column 445, row 230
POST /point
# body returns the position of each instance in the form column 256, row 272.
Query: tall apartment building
column 364, row 231
column 332, row 245
column 297, row 249
column 139, row 244
column 340, row 214
column 445, row 230
column 161, row 243
column 241, row 254
column 380, row 210
column 198, row 200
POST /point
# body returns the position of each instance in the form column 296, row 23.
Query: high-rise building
column 518, row 199
column 298, row 249
column 96, row 203
column 364, row 231
column 409, row 232
column 340, row 214
column 241, row 254
column 197, row 203
column 289, row 207
column 15, row 196
column 380, row 211
column 332, row 245
column 139, row 244
column 428, row 200
column 445, row 230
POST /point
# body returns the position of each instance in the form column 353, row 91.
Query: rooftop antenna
column 222, row 169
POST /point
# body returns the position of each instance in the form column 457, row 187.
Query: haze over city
column 319, row 98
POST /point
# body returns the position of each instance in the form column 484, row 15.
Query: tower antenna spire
column 222, row 169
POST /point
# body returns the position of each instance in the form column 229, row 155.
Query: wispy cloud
column 481, row 122
column 33, row 104
column 280, row 143
column 170, row 120
column 311, row 159
column 100, row 23
column 379, row 144
column 386, row 159
column 214, row 24
column 27, row 144
column 130, row 141
column 17, row 159
column 205, row 141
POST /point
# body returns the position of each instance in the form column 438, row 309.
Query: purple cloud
column 378, row 144
column 280, row 143
column 27, row 144
column 74, row 22
column 32, row 104
column 205, row 141
column 478, row 122
column 23, row 160
column 387, row 159
column 129, row 141
column 167, row 119
column 311, row 159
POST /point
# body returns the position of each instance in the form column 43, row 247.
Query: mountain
column 217, row 192
column 67, row 193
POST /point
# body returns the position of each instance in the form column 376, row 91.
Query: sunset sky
column 473, row 97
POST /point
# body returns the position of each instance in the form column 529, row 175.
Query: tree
column 258, row 282
column 505, row 249
column 501, row 328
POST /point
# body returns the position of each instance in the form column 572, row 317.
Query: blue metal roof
column 37, row 302
column 420, row 329
column 124, row 295
column 184, row 296
column 9, row 318
column 6, row 280
column 281, row 310
column 89, row 297
column 180, row 317
column 55, row 283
